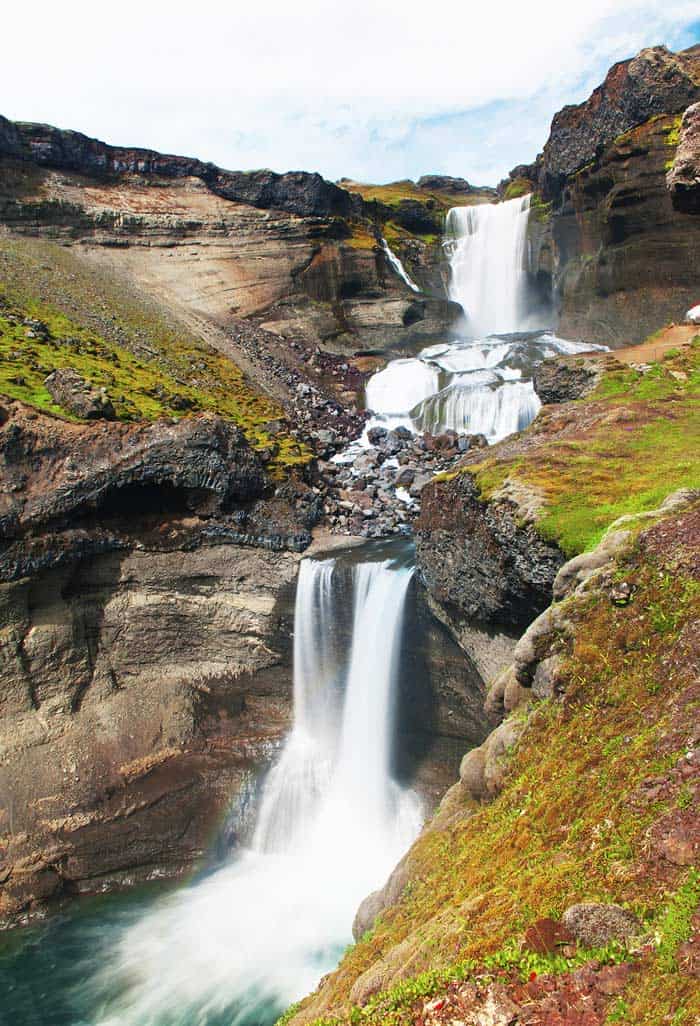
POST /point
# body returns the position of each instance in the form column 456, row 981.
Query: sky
column 375, row 90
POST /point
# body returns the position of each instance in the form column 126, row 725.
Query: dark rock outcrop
column 57, row 474
column 683, row 178
column 656, row 81
column 625, row 258
column 297, row 192
column 73, row 393
column 478, row 559
column 563, row 378
column 609, row 235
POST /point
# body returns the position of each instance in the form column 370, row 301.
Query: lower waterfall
column 239, row 945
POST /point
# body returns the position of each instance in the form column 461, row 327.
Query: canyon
column 217, row 383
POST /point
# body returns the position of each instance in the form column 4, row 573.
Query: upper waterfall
column 486, row 245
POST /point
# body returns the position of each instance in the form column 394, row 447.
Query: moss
column 360, row 237
column 569, row 826
column 673, row 133
column 539, row 210
column 648, row 446
column 151, row 367
column 518, row 187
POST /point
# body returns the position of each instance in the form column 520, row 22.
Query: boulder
column 73, row 393
column 561, row 379
column 593, row 924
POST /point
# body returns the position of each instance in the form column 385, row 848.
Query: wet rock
column 376, row 435
column 593, row 925
column 73, row 393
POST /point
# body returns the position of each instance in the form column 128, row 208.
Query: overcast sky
column 375, row 90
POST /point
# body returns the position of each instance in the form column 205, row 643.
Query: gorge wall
column 615, row 230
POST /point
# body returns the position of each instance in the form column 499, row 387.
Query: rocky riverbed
column 377, row 493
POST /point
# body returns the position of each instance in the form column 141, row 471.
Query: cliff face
column 544, row 888
column 556, row 883
column 293, row 251
column 144, row 658
column 614, row 227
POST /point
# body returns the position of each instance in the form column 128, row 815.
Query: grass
column 151, row 367
column 646, row 446
column 571, row 825
column 518, row 187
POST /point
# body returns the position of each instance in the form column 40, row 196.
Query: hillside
column 585, row 797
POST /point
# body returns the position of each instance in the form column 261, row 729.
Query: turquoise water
column 47, row 971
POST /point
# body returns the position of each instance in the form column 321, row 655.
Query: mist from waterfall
column 487, row 249
column 239, row 945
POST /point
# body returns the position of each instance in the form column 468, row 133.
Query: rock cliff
column 294, row 252
column 614, row 225
column 146, row 581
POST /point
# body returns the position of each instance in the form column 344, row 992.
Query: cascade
column 240, row 944
column 398, row 266
column 482, row 384
column 486, row 246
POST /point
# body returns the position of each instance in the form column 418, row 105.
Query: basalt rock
column 656, row 81
column 57, row 473
column 563, row 378
column 297, row 192
column 626, row 256
column 480, row 561
column 73, row 393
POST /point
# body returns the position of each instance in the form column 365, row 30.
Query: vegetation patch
column 518, row 187
column 643, row 442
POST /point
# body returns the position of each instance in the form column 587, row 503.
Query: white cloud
column 375, row 90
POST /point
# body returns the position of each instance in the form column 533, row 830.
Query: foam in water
column 258, row 933
column 483, row 386
column 488, row 273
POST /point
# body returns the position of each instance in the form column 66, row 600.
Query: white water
column 488, row 273
column 482, row 385
column 398, row 266
column 259, row 932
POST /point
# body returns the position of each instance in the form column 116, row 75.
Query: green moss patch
column 645, row 445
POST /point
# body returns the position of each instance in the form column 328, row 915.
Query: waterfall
column 480, row 408
column 483, row 386
column 486, row 247
column 239, row 945
column 398, row 266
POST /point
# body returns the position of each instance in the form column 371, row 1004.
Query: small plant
column 619, row 1011
column 676, row 922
